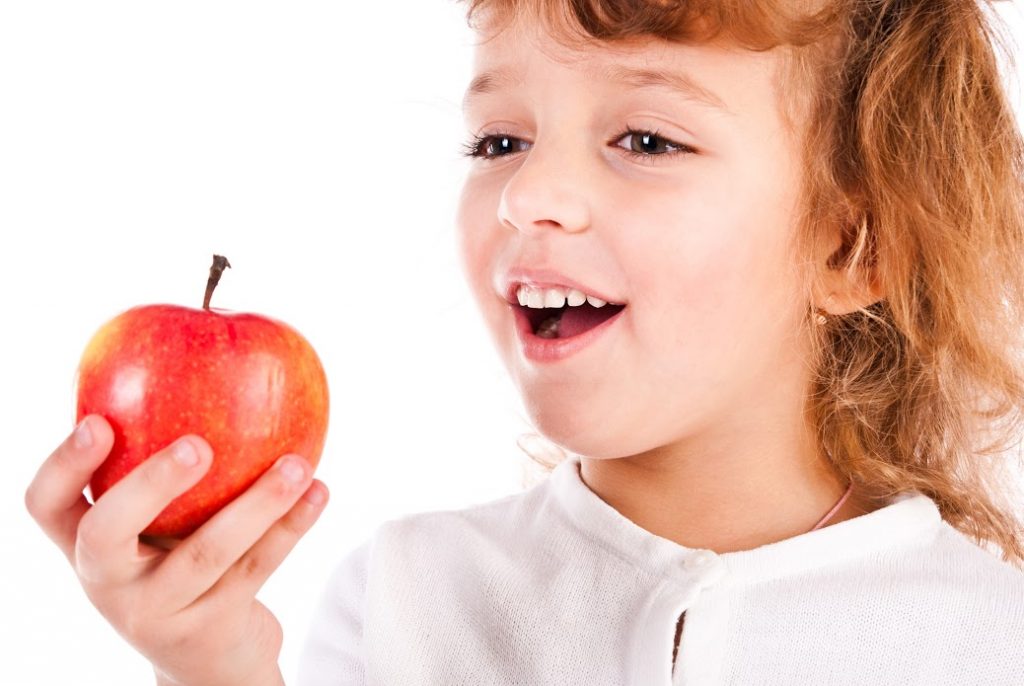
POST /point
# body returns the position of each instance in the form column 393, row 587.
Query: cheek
column 702, row 268
column 717, row 281
column 473, row 226
column 479, row 236
column 689, row 253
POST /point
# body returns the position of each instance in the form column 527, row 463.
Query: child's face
column 695, row 243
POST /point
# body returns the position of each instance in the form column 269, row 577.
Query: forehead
column 715, row 76
column 507, row 77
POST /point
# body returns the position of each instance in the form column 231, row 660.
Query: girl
column 756, row 267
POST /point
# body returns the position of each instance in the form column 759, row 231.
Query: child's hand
column 191, row 610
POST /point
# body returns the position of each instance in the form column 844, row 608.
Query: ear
column 838, row 289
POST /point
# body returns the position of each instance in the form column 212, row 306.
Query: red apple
column 252, row 386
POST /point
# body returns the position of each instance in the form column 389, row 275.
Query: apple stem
column 216, row 269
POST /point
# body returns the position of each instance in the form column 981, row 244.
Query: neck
column 725, row 495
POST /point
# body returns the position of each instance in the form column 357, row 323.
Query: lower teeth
column 548, row 328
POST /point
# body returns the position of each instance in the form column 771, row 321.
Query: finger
column 201, row 559
column 108, row 534
column 54, row 498
column 247, row 576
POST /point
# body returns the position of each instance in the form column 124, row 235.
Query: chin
column 578, row 434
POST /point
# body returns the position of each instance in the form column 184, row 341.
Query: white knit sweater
column 552, row 586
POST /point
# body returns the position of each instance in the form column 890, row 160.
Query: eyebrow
column 678, row 82
column 488, row 82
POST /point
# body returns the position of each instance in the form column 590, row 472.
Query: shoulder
column 973, row 586
column 430, row 556
column 478, row 532
column 332, row 650
column 963, row 560
column 427, row 538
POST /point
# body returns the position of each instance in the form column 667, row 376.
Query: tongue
column 576, row 320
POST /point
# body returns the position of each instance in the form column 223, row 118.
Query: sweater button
column 712, row 574
column 708, row 568
column 700, row 559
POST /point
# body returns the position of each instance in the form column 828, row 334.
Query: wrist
column 270, row 677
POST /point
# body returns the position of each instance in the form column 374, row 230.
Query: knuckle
column 157, row 475
column 89, row 537
column 36, row 501
column 33, row 503
column 285, row 479
column 154, row 474
column 203, row 555
column 282, row 489
column 279, row 489
column 65, row 457
column 252, row 566
column 293, row 526
column 180, row 643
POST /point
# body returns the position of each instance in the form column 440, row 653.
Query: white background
column 316, row 145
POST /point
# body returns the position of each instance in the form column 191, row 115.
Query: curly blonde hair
column 912, row 151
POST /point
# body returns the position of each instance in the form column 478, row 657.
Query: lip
column 547, row 278
column 548, row 350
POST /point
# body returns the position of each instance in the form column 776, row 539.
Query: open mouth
column 567, row 321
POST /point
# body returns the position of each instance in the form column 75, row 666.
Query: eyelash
column 475, row 146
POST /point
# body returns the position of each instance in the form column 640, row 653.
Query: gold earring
column 821, row 317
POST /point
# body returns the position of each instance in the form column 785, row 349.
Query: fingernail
column 291, row 470
column 185, row 453
column 315, row 495
column 83, row 434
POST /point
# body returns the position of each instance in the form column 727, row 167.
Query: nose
column 548, row 190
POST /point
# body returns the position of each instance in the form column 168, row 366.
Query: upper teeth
column 554, row 297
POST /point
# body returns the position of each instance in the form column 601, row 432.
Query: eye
column 641, row 143
column 645, row 144
column 490, row 146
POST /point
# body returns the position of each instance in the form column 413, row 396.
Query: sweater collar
column 910, row 518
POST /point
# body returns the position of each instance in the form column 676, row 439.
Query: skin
column 189, row 607
column 688, row 414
